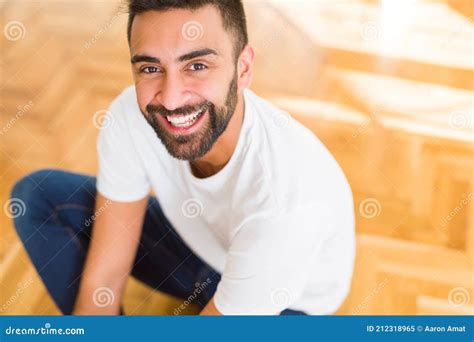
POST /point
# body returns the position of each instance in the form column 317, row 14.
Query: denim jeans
column 56, row 228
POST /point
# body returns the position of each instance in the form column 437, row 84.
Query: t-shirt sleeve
column 267, row 265
column 121, row 176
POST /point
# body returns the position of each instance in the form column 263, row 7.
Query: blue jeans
column 55, row 232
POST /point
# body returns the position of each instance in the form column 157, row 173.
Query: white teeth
column 184, row 121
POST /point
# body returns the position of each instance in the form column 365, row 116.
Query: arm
column 113, row 247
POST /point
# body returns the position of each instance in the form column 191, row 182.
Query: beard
column 194, row 145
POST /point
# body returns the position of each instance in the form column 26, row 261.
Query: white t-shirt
column 277, row 221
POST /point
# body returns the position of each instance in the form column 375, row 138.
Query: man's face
column 186, row 77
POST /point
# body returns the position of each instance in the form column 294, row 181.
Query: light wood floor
column 389, row 90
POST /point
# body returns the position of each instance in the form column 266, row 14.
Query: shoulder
column 122, row 113
column 297, row 166
column 128, row 96
column 125, row 102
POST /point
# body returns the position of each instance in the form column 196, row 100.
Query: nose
column 172, row 93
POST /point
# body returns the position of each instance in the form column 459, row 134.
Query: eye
column 149, row 70
column 197, row 67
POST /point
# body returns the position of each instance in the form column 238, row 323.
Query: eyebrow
column 191, row 55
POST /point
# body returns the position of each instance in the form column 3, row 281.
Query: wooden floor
column 389, row 90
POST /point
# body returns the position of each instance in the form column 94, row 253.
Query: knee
column 29, row 185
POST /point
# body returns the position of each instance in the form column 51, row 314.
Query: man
column 252, row 214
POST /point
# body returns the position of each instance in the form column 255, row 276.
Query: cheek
column 213, row 90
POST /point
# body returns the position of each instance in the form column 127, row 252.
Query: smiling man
column 250, row 215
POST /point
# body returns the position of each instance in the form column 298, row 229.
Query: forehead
column 166, row 34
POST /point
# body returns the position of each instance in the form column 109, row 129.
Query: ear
column 245, row 67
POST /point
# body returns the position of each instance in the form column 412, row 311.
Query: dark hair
column 232, row 13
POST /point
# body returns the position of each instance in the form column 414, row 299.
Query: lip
column 183, row 130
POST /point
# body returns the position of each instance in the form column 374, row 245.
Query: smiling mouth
column 184, row 121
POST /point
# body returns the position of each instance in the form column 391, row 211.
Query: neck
column 221, row 152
